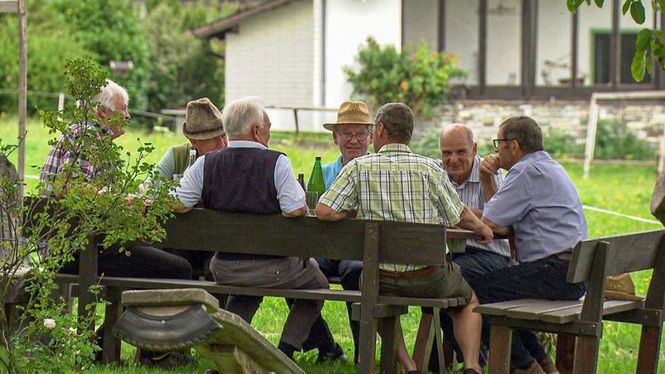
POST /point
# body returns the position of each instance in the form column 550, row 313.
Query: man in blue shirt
column 352, row 135
column 539, row 204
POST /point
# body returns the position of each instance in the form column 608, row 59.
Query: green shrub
column 416, row 77
column 559, row 143
column 614, row 140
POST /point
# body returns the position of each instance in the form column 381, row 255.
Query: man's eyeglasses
column 360, row 136
column 497, row 141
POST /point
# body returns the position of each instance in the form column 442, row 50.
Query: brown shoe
column 548, row 366
column 534, row 368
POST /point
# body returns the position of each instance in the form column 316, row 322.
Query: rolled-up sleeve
column 289, row 193
column 191, row 184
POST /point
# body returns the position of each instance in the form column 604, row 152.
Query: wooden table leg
column 501, row 338
column 565, row 353
column 647, row 358
column 586, row 354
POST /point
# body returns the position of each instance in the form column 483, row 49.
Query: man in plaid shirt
column 395, row 184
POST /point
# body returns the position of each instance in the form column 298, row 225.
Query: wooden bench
column 579, row 323
column 369, row 241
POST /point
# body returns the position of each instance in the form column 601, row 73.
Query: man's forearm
column 489, row 186
column 325, row 213
column 180, row 208
column 296, row 213
column 469, row 221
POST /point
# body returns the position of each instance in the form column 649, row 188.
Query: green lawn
column 624, row 189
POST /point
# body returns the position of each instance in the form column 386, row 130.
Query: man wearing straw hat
column 352, row 135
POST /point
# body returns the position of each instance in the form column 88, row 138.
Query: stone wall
column 484, row 116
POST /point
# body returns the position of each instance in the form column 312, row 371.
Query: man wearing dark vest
column 248, row 177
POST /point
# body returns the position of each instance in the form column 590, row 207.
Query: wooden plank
column 535, row 310
column 482, row 46
column 22, row 84
column 631, row 252
column 501, row 308
column 9, row 6
column 573, row 314
column 306, row 236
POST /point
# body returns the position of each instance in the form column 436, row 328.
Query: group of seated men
column 535, row 202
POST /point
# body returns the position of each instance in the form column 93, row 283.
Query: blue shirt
column 289, row 193
column 540, row 202
column 471, row 194
column 331, row 170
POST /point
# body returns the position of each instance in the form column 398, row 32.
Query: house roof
column 221, row 27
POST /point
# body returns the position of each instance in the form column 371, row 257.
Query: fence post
column 61, row 101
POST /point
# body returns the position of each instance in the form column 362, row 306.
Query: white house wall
column 348, row 23
column 271, row 56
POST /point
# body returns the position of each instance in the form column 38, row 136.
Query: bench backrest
column 628, row 253
column 399, row 242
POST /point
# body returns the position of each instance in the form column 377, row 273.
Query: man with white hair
column 248, row 177
column 145, row 261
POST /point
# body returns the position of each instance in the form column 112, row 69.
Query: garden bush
column 417, row 77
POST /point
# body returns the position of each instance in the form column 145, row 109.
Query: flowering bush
column 416, row 77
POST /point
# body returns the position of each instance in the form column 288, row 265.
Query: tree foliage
column 183, row 67
column 417, row 77
column 650, row 43
column 47, row 339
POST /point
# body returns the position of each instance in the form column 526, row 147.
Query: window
column 602, row 57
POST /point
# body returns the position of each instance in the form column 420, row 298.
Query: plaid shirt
column 395, row 185
column 62, row 153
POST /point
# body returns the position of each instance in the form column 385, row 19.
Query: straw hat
column 351, row 113
column 203, row 120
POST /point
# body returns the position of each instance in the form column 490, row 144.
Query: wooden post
column 22, row 84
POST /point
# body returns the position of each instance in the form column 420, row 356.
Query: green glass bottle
column 315, row 183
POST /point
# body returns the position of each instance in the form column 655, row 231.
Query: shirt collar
column 395, row 147
column 246, row 144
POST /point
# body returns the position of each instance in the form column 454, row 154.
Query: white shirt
column 289, row 193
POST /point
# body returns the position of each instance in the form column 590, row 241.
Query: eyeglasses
column 360, row 136
column 497, row 141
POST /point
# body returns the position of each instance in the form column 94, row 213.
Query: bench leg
column 586, row 354
column 367, row 348
column 429, row 332
column 391, row 332
column 565, row 353
column 501, row 338
column 647, row 359
column 111, row 346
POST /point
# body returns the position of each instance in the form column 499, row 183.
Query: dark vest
column 240, row 180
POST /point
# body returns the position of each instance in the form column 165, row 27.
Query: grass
column 620, row 188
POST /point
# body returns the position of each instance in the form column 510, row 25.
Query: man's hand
column 487, row 234
column 489, row 166
column 487, row 170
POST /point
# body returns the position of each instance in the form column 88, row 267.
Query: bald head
column 457, row 151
